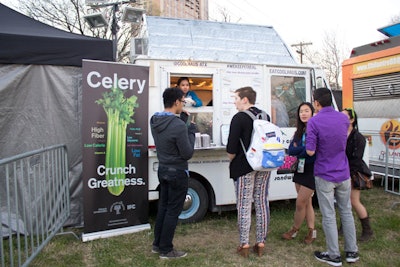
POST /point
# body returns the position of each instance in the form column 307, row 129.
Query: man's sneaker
column 173, row 254
column 155, row 249
column 352, row 257
column 324, row 257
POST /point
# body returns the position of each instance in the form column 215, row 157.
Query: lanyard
column 303, row 139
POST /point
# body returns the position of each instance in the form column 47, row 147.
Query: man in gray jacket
column 174, row 140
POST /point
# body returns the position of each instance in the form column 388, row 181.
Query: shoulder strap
column 253, row 117
column 261, row 116
column 248, row 112
column 264, row 116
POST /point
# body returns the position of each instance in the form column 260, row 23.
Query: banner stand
column 114, row 148
column 115, row 232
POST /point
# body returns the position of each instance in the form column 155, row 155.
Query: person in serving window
column 191, row 98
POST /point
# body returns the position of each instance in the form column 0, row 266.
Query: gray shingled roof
column 184, row 39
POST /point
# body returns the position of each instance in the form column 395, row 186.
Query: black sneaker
column 324, row 257
column 173, row 254
column 352, row 257
column 155, row 249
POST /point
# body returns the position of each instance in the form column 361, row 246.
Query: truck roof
column 185, row 39
column 391, row 31
column 376, row 46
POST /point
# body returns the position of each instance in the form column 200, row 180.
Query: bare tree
column 69, row 15
column 329, row 57
column 224, row 14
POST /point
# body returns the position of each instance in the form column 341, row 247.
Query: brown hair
column 247, row 92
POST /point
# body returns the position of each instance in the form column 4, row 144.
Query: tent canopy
column 24, row 40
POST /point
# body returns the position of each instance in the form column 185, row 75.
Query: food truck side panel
column 209, row 167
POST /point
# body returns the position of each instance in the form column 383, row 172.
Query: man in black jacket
column 174, row 142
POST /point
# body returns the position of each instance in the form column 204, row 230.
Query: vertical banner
column 115, row 150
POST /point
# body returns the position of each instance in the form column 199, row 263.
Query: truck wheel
column 196, row 203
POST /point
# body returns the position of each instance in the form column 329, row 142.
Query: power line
column 257, row 9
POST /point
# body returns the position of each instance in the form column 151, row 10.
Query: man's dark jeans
column 173, row 189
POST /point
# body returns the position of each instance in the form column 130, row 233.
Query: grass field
column 212, row 242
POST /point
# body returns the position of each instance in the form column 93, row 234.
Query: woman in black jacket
column 355, row 151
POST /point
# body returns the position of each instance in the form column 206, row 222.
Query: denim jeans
column 173, row 189
column 327, row 192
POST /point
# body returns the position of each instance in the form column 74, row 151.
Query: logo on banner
column 391, row 129
column 117, row 207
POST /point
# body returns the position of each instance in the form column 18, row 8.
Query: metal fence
column 34, row 202
column 392, row 169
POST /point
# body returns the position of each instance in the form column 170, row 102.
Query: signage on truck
column 390, row 129
column 377, row 66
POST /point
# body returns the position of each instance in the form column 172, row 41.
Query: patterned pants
column 253, row 186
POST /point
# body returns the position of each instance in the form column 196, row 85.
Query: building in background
column 188, row 9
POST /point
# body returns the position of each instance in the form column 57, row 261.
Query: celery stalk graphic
column 119, row 112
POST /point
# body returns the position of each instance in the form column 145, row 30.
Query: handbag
column 361, row 181
column 289, row 165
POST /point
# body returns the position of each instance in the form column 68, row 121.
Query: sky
column 354, row 22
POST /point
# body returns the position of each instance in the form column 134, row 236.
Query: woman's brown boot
column 367, row 232
column 311, row 236
column 292, row 233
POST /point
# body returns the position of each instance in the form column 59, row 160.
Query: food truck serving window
column 201, row 86
column 201, row 115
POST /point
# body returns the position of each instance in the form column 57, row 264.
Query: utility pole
column 300, row 49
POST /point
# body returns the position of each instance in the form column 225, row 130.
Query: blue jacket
column 195, row 98
column 300, row 150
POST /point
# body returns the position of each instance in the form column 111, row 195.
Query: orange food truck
column 371, row 85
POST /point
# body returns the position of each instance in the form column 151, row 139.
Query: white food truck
column 218, row 58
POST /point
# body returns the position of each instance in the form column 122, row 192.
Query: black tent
column 40, row 94
column 24, row 40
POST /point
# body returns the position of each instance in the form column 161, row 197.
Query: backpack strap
column 248, row 112
column 253, row 117
column 261, row 116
